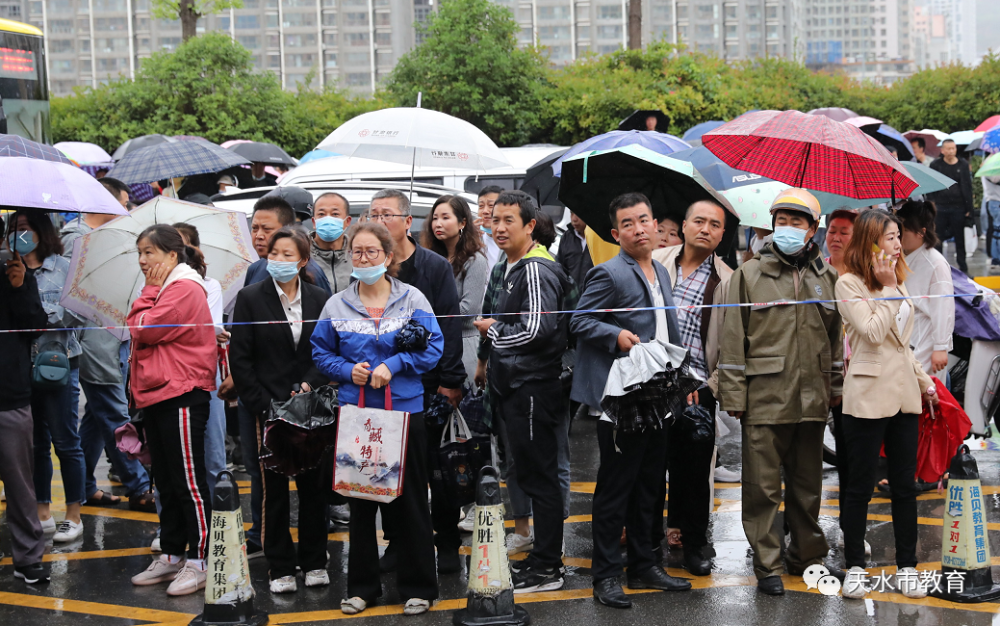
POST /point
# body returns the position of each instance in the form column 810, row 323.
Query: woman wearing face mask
column 448, row 233
column 882, row 395
column 271, row 362
column 355, row 345
column 171, row 374
column 54, row 411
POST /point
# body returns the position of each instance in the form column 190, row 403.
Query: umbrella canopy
column 838, row 114
column 694, row 133
column 35, row 184
column 138, row 143
column 541, row 183
column 15, row 146
column 963, row 137
column 417, row 137
column 232, row 142
column 989, row 123
column 85, row 153
column 172, row 160
column 637, row 121
column 990, row 166
column 259, row 152
column 931, row 138
column 313, row 155
column 104, row 276
column 810, row 151
column 990, row 141
column 862, row 120
column 889, row 136
column 190, row 138
column 592, row 180
column 660, row 143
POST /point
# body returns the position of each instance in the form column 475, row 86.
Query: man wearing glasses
column 432, row 275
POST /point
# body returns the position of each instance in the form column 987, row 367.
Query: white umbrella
column 417, row 137
column 104, row 276
column 85, row 153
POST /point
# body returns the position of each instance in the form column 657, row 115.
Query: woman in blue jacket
column 355, row 345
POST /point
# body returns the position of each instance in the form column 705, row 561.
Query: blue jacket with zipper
column 347, row 335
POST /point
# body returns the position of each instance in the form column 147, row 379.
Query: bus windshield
column 24, row 92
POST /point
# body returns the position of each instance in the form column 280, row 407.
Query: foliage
column 190, row 11
column 470, row 66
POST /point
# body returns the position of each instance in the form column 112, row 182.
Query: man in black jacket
column 954, row 204
column 20, row 309
column 524, row 366
column 573, row 254
column 432, row 275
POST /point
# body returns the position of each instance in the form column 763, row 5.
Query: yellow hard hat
column 795, row 199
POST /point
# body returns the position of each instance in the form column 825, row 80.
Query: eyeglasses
column 371, row 253
column 384, row 217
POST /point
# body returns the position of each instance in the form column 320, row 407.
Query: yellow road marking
column 84, row 556
column 91, row 608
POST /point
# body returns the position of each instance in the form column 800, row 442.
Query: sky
column 987, row 26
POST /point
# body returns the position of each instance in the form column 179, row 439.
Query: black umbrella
column 259, row 152
column 541, row 183
column 637, row 121
column 137, row 143
column 591, row 181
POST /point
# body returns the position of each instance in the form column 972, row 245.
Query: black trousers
column 275, row 530
column 864, row 438
column 531, row 414
column 628, row 493
column 950, row 222
column 690, row 465
column 843, row 465
column 175, row 436
column 414, row 540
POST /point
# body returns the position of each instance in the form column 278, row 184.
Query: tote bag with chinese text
column 370, row 455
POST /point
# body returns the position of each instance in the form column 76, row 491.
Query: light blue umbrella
column 963, row 137
column 313, row 155
column 695, row 132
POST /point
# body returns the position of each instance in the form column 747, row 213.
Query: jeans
column 215, row 439
column 991, row 217
column 55, row 419
column 520, row 503
column 248, row 439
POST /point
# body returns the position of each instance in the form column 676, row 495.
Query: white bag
column 370, row 453
column 971, row 242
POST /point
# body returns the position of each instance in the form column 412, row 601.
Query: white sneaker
column 67, row 531
column 353, row 606
column 908, row 583
column 48, row 525
column 189, row 580
column 416, row 606
column 155, row 546
column 468, row 523
column 725, row 475
column 519, row 543
column 285, row 584
column 159, row 571
column 317, row 578
column 856, row 583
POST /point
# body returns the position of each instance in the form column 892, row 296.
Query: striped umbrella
column 172, row 160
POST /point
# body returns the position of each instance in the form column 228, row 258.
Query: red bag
column 942, row 430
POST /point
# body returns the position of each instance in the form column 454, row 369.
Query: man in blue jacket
column 432, row 275
column 633, row 464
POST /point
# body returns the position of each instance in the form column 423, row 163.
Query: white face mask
column 758, row 243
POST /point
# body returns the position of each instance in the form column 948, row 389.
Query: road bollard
column 491, row 595
column 966, row 575
column 228, row 591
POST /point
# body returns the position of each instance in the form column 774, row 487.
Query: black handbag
column 461, row 457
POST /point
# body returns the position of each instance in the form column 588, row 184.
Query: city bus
column 24, row 90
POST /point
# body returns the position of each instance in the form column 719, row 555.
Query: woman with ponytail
column 172, row 371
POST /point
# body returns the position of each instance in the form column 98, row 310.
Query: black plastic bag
column 299, row 431
column 697, row 424
column 460, row 458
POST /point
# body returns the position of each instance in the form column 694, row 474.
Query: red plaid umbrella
column 810, row 151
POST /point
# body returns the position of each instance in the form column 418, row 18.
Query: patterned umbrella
column 14, row 146
column 660, row 143
column 990, row 142
column 138, row 143
column 172, row 160
column 810, row 151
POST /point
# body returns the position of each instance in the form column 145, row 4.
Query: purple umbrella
column 35, row 184
column 660, row 143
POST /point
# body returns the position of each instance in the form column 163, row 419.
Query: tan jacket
column 883, row 376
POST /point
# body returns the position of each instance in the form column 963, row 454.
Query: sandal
column 105, row 499
column 353, row 606
column 145, row 502
column 416, row 606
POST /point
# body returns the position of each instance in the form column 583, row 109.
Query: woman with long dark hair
column 450, row 233
column 882, row 395
column 54, row 411
column 271, row 362
column 171, row 372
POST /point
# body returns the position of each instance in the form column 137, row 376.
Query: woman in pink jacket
column 172, row 371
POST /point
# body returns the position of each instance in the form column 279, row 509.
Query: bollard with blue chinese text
column 965, row 548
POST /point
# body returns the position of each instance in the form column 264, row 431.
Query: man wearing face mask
column 331, row 214
column 780, row 372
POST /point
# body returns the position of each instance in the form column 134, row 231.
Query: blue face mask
column 329, row 228
column 23, row 241
column 369, row 275
column 486, row 229
column 282, row 271
column 789, row 239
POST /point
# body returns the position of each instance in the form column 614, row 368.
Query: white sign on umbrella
column 104, row 275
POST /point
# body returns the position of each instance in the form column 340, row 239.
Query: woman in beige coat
column 882, row 396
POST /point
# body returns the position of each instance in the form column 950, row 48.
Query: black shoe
column 534, row 578
column 449, row 562
column 32, row 574
column 389, row 561
column 771, row 585
column 696, row 562
column 609, row 593
column 656, row 578
column 254, row 551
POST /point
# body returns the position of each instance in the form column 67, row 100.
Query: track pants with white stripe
column 175, row 435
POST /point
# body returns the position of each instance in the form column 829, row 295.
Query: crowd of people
column 335, row 286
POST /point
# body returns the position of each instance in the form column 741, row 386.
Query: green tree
column 190, row 11
column 470, row 66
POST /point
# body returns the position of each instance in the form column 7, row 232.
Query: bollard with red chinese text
column 228, row 591
column 491, row 595
column 965, row 548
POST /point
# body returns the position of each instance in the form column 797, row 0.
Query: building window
column 61, row 26
column 553, row 32
column 560, row 53
column 331, row 60
column 708, row 12
column 111, row 23
column 299, row 19
column 383, row 19
column 356, row 19
column 300, row 60
column 560, row 13
column 329, row 19
column 110, row 5
column 222, row 23
column 771, row 13
column 609, row 32
column 772, row 32
column 358, row 58
column 383, row 39
column 250, row 42
column 330, row 40
column 613, row 12
column 111, row 65
column 247, row 21
column 62, row 66
column 682, row 11
column 731, row 13
column 60, row 46
column 299, row 41
column 273, row 61
column 169, row 43
column 357, row 39
column 117, row 44
column 732, row 31
column 359, row 79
